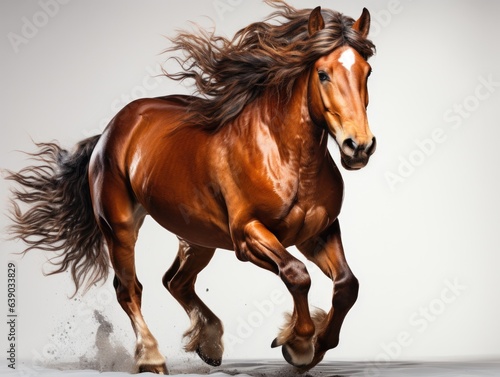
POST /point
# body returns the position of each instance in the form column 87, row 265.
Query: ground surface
column 280, row 369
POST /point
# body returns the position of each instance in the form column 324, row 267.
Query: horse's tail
column 59, row 217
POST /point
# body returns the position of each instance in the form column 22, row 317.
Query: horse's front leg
column 255, row 243
column 327, row 252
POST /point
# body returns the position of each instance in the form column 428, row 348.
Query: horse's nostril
column 350, row 144
column 370, row 149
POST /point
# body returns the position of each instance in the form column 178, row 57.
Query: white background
column 407, row 239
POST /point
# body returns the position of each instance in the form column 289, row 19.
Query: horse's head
column 338, row 95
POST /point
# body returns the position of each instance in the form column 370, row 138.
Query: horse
column 241, row 164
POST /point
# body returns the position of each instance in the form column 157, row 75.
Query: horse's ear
column 363, row 23
column 316, row 21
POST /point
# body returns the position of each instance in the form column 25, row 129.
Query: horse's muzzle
column 355, row 156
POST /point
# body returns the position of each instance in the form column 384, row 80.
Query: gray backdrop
column 420, row 222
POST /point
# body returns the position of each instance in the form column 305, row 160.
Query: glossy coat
column 260, row 183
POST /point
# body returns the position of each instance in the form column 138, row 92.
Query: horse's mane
column 271, row 54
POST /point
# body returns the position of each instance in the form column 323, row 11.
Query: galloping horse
column 243, row 166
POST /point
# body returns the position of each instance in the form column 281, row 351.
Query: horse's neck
column 293, row 128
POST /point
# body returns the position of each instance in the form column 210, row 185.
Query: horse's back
column 132, row 129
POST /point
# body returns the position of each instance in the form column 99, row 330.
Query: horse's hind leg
column 120, row 220
column 205, row 334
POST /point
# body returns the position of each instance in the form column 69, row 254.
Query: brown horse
column 242, row 166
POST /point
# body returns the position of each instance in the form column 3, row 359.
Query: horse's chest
column 300, row 225
column 308, row 216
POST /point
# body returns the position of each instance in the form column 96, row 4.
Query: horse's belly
column 196, row 231
column 200, row 222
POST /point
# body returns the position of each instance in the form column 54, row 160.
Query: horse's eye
column 369, row 73
column 323, row 76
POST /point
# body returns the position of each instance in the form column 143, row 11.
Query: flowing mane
column 267, row 55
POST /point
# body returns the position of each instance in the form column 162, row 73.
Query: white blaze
column 347, row 59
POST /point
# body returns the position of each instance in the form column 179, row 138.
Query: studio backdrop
column 420, row 223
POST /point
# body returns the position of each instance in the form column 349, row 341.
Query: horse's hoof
column 288, row 357
column 296, row 359
column 275, row 343
column 209, row 360
column 156, row 369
